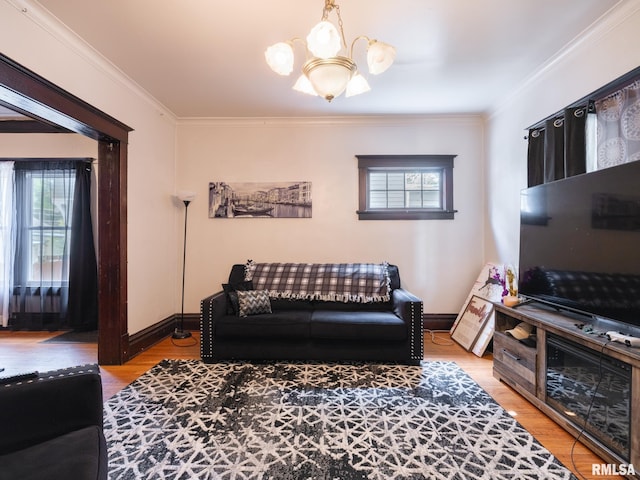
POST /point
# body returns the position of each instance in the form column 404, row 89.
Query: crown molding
column 590, row 36
column 332, row 121
column 67, row 37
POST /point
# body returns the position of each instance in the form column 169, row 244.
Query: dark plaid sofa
column 314, row 328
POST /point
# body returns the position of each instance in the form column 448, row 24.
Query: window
column 405, row 187
column 44, row 205
column 50, row 198
column 55, row 273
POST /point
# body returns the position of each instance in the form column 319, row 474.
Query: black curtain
column 575, row 143
column 535, row 157
column 83, row 269
column 554, row 150
column 559, row 149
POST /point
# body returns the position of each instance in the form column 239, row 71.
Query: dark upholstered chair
column 51, row 427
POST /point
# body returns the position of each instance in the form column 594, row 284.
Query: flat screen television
column 580, row 244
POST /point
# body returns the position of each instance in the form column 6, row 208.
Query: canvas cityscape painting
column 260, row 199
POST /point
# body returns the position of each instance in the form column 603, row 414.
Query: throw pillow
column 253, row 302
column 232, row 297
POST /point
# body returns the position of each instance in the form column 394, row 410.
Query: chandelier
column 327, row 73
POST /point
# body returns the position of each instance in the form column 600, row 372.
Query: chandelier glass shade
column 325, row 72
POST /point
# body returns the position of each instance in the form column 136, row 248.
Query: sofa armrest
column 409, row 308
column 211, row 308
column 51, row 405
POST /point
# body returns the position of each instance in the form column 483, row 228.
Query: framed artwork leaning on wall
column 472, row 322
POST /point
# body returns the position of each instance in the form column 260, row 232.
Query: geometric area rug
column 185, row 419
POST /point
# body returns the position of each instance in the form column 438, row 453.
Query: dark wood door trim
column 113, row 338
column 29, row 126
column 28, row 93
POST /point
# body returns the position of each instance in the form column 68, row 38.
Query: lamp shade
column 186, row 196
column 330, row 76
column 357, row 85
column 323, row 40
column 380, row 56
column 280, row 58
column 304, row 85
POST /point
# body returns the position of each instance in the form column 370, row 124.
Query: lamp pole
column 180, row 332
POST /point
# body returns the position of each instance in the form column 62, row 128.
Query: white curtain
column 7, row 244
column 619, row 127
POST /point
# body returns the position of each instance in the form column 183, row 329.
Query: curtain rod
column 588, row 100
column 48, row 159
column 559, row 116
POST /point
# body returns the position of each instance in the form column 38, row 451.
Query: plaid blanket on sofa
column 337, row 282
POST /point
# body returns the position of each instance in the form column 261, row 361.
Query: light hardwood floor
column 24, row 351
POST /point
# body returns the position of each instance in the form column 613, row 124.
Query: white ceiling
column 205, row 58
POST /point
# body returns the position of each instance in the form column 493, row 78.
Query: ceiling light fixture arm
column 361, row 37
column 292, row 42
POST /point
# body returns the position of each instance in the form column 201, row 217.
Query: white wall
column 608, row 51
column 438, row 259
column 39, row 145
column 36, row 41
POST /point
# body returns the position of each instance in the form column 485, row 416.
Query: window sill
column 406, row 215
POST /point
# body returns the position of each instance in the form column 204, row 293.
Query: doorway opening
column 54, row 109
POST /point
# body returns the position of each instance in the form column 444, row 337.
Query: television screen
column 580, row 243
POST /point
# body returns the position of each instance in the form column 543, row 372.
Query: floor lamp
column 186, row 198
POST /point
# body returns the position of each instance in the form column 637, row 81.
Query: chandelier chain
column 329, row 5
column 341, row 25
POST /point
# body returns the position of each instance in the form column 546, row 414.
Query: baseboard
column 438, row 321
column 146, row 338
